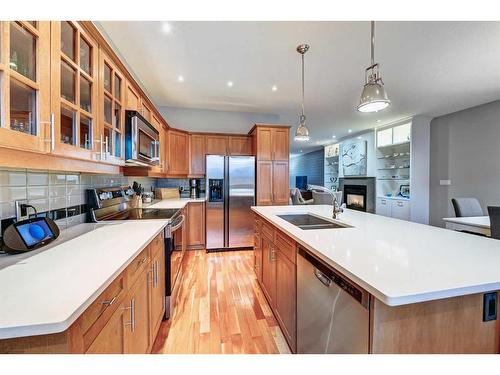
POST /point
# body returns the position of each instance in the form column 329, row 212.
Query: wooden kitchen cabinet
column 271, row 142
column 240, row 145
column 285, row 305
column 257, row 249
column 217, row 145
column 25, row 92
column 281, row 183
column 133, row 100
column 157, row 286
column 271, row 147
column 268, row 269
column 112, row 338
column 75, row 85
column 197, row 144
column 178, row 156
column 264, row 185
column 196, row 225
column 137, row 336
column 276, row 252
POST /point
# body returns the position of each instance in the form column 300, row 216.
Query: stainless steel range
column 115, row 204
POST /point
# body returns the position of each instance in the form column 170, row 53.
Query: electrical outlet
column 490, row 306
column 445, row 182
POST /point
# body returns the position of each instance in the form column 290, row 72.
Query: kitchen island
column 426, row 284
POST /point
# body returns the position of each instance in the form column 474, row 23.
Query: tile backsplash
column 61, row 193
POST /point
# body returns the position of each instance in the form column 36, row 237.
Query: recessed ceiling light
column 300, row 150
column 229, row 83
column 350, row 130
column 359, row 137
column 274, row 88
column 166, row 27
column 180, row 78
column 334, row 136
column 379, row 120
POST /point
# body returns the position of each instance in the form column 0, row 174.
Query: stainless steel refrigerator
column 230, row 193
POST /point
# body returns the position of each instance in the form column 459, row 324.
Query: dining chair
column 467, row 207
column 494, row 212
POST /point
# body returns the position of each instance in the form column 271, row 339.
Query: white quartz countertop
column 175, row 202
column 399, row 262
column 46, row 292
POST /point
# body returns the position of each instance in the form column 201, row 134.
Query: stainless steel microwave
column 142, row 141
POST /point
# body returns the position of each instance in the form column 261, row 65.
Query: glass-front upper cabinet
column 112, row 96
column 74, row 67
column 25, row 117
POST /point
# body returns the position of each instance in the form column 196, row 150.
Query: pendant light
column 373, row 98
column 302, row 133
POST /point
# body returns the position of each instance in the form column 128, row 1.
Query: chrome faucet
column 337, row 209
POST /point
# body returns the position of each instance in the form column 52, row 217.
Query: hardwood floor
column 221, row 309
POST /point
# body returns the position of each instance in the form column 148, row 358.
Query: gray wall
column 420, row 169
column 465, row 148
column 310, row 165
column 206, row 120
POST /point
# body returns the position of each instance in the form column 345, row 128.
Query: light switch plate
column 445, row 182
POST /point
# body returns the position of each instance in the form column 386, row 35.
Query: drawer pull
column 400, row 204
column 109, row 302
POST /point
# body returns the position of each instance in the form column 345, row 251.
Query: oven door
column 177, row 249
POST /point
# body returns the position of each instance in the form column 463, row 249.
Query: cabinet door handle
column 109, row 302
column 132, row 315
column 52, row 131
column 155, row 273
column 52, row 135
column 101, row 147
column 384, row 201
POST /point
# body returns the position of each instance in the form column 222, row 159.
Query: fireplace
column 355, row 197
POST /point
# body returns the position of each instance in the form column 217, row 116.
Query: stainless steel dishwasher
column 332, row 312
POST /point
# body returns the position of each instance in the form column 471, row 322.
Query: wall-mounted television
column 301, row 182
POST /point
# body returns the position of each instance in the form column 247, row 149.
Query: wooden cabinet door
column 137, row 336
column 264, row 183
column 281, row 183
column 268, row 269
column 264, row 148
column 25, row 121
column 285, row 305
column 196, row 224
column 197, row 154
column 178, row 153
column 146, row 111
column 75, row 82
column 217, row 145
column 280, row 144
column 133, row 100
column 111, row 339
column 257, row 252
column 157, row 306
column 240, row 145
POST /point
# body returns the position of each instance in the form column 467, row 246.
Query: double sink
column 309, row 222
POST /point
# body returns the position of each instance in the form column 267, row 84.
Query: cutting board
column 167, row 193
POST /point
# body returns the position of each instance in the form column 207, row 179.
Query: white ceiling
column 429, row 68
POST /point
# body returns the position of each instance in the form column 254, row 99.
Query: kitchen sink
column 310, row 222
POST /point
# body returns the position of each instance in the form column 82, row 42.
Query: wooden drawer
column 157, row 246
column 106, row 301
column 268, row 231
column 286, row 245
column 138, row 265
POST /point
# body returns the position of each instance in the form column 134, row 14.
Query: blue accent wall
column 311, row 165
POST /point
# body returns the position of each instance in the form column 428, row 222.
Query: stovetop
column 143, row 214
